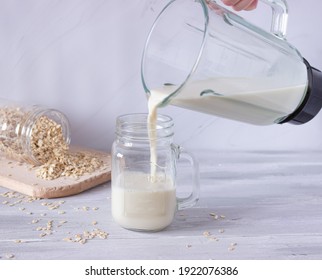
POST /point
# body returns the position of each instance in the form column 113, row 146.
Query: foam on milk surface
column 138, row 203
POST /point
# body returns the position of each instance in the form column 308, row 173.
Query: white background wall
column 83, row 58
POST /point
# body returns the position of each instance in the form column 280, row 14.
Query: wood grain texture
column 21, row 177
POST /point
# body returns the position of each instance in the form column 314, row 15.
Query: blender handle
column 279, row 17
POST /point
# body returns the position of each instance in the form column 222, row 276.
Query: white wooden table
column 269, row 206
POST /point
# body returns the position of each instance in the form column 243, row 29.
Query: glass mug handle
column 191, row 199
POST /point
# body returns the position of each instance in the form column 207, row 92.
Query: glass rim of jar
column 136, row 126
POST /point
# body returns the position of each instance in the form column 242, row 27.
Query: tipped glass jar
column 32, row 133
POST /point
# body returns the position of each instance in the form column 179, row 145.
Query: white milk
column 248, row 100
column 152, row 125
column 139, row 204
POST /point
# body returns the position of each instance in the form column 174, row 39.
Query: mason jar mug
column 144, row 192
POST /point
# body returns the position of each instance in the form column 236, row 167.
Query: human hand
column 239, row 5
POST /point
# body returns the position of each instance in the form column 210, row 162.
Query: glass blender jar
column 203, row 57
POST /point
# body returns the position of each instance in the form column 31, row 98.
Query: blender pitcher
column 203, row 57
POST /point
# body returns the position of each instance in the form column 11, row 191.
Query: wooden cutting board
column 21, row 177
